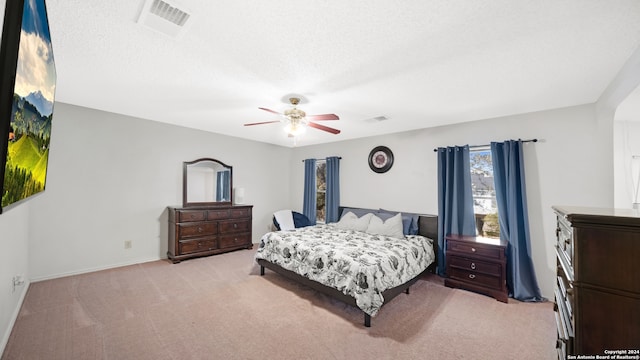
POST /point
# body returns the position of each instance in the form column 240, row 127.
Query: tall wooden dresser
column 202, row 231
column 597, row 294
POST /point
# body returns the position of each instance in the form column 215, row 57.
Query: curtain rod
column 339, row 157
column 480, row 146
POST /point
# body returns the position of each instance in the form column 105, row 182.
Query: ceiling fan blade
column 269, row 110
column 324, row 128
column 260, row 123
column 323, row 117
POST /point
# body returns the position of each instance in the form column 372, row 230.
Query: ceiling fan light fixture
column 296, row 120
column 295, row 129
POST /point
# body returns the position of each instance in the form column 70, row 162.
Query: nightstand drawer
column 473, row 277
column 475, row 249
column 488, row 268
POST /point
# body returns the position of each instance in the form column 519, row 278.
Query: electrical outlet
column 17, row 280
column 127, row 244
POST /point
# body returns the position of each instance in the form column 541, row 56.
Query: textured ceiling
column 420, row 63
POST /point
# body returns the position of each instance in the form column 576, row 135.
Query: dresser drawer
column 240, row 213
column 234, row 240
column 476, row 278
column 186, row 230
column 191, row 215
column 564, row 322
column 232, row 226
column 197, row 245
column 487, row 252
column 216, row 214
column 564, row 237
column 475, row 265
column 208, row 230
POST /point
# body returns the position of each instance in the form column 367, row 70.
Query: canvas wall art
column 26, row 100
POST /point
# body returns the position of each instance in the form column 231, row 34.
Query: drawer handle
column 235, row 240
column 192, row 216
column 570, row 291
column 199, row 229
column 473, row 249
column 235, row 226
column 471, row 276
column 473, row 266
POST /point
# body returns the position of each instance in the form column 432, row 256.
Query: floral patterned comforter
column 359, row 264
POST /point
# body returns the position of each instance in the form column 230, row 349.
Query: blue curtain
column 222, row 190
column 309, row 205
column 332, row 196
column 455, row 198
column 508, row 172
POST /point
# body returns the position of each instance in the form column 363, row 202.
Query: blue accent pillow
column 299, row 220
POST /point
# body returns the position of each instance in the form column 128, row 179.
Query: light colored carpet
column 219, row 307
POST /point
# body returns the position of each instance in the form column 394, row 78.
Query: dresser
column 597, row 293
column 477, row 264
column 202, row 231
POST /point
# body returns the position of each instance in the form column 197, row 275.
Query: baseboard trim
column 14, row 317
column 99, row 268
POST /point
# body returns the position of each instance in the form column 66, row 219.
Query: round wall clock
column 380, row 159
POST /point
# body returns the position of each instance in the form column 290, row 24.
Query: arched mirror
column 206, row 182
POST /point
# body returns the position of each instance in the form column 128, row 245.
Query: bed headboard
column 428, row 226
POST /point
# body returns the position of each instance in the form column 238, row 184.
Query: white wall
column 111, row 177
column 626, row 168
column 626, row 146
column 14, row 236
column 14, row 259
column 618, row 108
column 563, row 168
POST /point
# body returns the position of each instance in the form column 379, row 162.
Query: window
column 321, row 189
column 485, row 205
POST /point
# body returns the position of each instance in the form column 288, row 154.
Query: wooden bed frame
column 427, row 225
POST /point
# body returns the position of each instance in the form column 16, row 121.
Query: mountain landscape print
column 31, row 109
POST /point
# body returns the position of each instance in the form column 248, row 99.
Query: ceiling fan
column 297, row 120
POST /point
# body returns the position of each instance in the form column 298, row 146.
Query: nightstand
column 477, row 264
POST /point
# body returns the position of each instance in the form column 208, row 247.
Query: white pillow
column 391, row 227
column 285, row 219
column 350, row 221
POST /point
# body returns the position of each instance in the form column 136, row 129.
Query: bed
column 359, row 268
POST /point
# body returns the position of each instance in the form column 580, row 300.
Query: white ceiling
column 421, row 63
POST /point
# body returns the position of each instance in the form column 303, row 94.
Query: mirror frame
column 185, row 200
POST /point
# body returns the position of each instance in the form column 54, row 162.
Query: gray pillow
column 357, row 211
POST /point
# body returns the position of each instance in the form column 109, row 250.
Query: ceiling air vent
column 165, row 17
column 377, row 119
